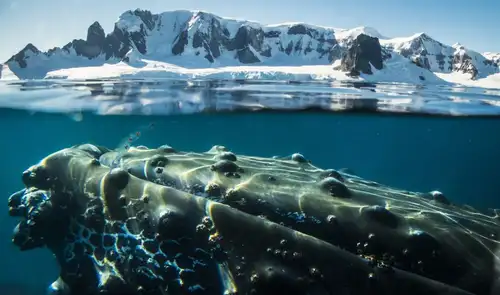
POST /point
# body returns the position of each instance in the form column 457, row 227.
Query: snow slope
column 398, row 69
column 198, row 44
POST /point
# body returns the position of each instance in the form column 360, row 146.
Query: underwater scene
column 158, row 187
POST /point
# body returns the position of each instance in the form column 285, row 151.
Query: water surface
column 173, row 97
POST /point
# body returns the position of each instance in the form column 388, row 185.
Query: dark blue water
column 456, row 155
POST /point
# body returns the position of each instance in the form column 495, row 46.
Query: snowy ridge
column 346, row 34
column 493, row 56
column 197, row 43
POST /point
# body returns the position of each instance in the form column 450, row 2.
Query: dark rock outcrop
column 492, row 58
column 464, row 64
column 364, row 52
column 96, row 35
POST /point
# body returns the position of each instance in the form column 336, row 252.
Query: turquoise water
column 455, row 155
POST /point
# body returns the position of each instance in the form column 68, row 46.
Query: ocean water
column 404, row 136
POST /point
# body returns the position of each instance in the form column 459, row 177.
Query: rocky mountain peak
column 435, row 56
column 423, row 37
column 24, row 54
column 31, row 48
column 95, row 34
column 147, row 17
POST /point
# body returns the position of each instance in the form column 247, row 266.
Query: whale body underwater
column 161, row 221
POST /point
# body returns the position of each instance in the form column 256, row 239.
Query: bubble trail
column 127, row 141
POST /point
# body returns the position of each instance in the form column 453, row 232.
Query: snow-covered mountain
column 438, row 57
column 196, row 40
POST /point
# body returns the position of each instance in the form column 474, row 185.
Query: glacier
column 201, row 45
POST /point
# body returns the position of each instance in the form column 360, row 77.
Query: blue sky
column 49, row 23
